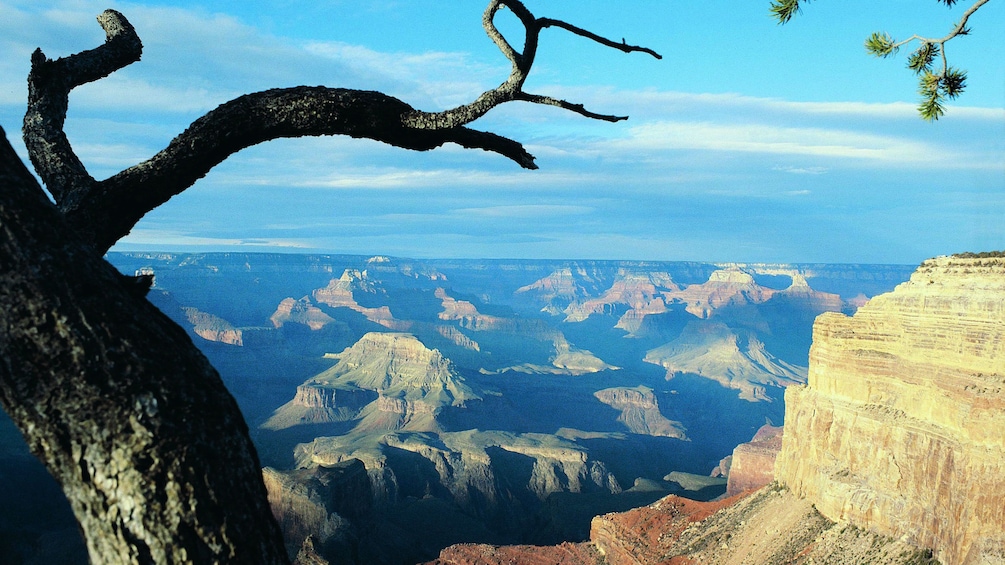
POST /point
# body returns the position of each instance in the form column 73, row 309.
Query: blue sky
column 749, row 141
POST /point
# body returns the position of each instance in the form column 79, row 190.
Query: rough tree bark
column 131, row 419
column 127, row 414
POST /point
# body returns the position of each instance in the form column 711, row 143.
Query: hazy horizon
column 199, row 250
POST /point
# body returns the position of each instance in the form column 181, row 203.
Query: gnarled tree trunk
column 127, row 414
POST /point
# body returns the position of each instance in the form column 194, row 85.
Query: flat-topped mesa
column 900, row 427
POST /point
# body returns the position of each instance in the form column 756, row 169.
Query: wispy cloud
column 800, row 170
column 177, row 238
column 780, row 140
column 525, row 211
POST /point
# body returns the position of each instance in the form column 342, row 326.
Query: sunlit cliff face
column 900, row 427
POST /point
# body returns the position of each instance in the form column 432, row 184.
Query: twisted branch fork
column 960, row 28
column 102, row 212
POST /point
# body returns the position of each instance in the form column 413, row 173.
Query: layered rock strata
column 640, row 411
column 213, row 328
column 899, row 429
column 769, row 526
column 752, row 464
column 319, row 503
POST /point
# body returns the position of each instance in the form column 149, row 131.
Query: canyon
column 891, row 453
column 495, row 402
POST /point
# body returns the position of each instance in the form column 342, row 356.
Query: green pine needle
column 953, row 82
column 784, row 10
column 921, row 60
column 880, row 44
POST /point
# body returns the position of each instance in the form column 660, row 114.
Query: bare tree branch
column 114, row 206
column 577, row 108
column 512, row 88
column 547, row 22
column 49, row 86
column 103, row 212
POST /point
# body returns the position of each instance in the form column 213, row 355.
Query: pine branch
column 934, row 87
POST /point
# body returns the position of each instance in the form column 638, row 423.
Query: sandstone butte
column 893, row 453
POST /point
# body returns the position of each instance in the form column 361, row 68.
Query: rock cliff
column 322, row 502
column 485, row 473
column 899, row 429
column 752, row 464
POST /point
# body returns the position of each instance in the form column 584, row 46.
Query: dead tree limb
column 103, row 212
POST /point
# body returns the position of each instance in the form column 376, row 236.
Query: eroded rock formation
column 321, row 503
column 752, row 464
column 770, row 526
column 300, row 312
column 388, row 380
column 734, row 358
column 213, row 328
column 640, row 412
column 899, row 429
column 725, row 286
column 339, row 294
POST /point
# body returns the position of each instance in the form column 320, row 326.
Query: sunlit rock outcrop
column 770, row 526
column 300, row 312
column 725, row 286
column 339, row 294
column 386, row 380
column 321, row 502
column 734, row 358
column 752, row 464
column 213, row 328
column 900, row 427
column 640, row 412
column 468, row 316
column 639, row 292
column 563, row 287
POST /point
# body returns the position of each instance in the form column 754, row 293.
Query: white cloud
column 525, row 211
column 800, row 170
column 781, row 140
column 167, row 239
